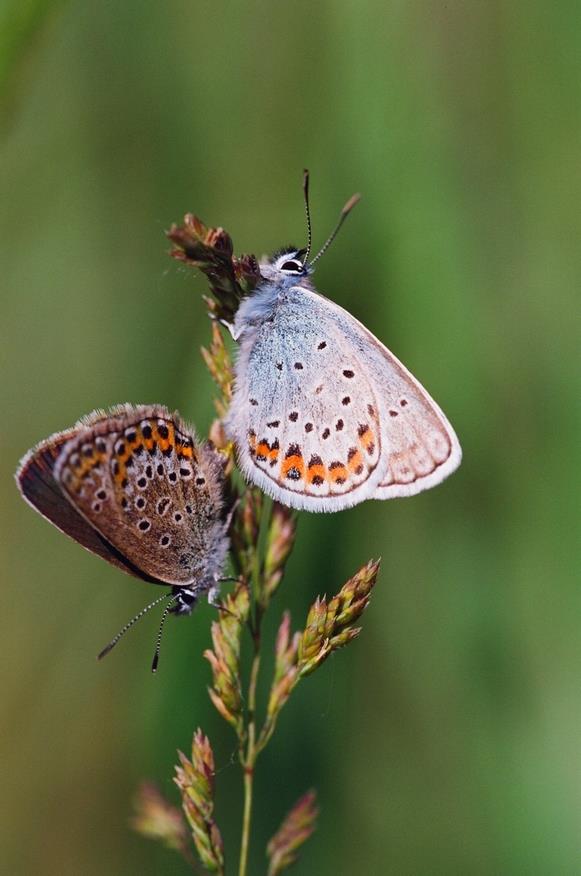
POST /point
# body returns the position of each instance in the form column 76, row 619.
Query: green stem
column 249, row 760
column 248, row 776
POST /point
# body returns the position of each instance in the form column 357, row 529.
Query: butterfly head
column 292, row 263
column 286, row 264
column 185, row 599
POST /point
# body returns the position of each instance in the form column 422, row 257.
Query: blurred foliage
column 458, row 711
column 21, row 22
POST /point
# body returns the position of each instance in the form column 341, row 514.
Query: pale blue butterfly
column 323, row 415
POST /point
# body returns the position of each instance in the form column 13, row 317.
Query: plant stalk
column 249, row 760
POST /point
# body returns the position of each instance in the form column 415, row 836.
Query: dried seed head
column 225, row 658
column 295, row 830
column 219, row 365
column 211, row 251
column 330, row 624
column 195, row 779
column 157, row 819
column 285, row 669
column 279, row 544
column 245, row 531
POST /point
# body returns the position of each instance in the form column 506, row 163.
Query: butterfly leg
column 230, row 327
column 228, row 521
column 214, row 593
column 213, row 596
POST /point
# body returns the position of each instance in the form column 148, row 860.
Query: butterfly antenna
column 128, row 626
column 308, row 214
column 166, row 611
column 343, row 215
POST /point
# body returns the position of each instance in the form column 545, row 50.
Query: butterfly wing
column 36, row 482
column 306, row 412
column 139, row 478
column 421, row 446
column 392, row 440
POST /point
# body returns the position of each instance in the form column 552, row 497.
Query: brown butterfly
column 134, row 486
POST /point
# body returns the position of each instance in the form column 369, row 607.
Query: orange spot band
column 338, row 473
column 355, row 461
column 317, row 471
column 293, row 462
column 367, row 439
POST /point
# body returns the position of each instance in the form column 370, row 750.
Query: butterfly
column 134, row 486
column 323, row 415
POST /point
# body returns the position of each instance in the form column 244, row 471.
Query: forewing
column 423, row 447
column 306, row 409
column 420, row 445
column 139, row 477
column 36, row 481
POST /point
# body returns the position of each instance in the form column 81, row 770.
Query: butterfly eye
column 291, row 266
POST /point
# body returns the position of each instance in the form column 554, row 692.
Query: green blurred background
column 446, row 740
